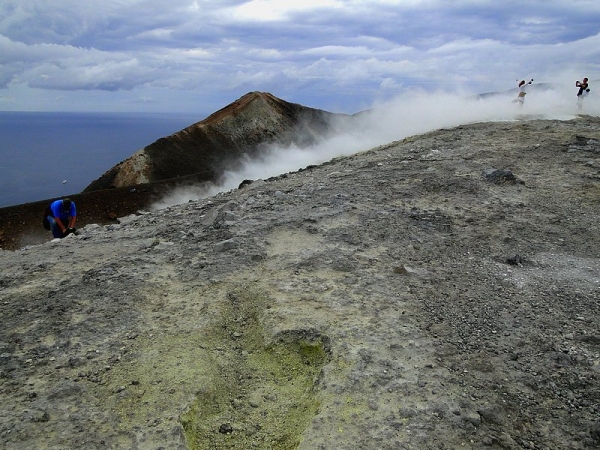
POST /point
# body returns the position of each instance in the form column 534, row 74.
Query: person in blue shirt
column 61, row 217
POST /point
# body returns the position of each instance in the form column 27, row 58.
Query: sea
column 47, row 155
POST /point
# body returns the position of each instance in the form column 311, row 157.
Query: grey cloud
column 11, row 51
column 60, row 67
column 106, row 76
column 7, row 74
column 112, row 24
column 201, row 45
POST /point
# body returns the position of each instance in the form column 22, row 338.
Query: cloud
column 108, row 76
column 367, row 48
column 276, row 10
column 59, row 67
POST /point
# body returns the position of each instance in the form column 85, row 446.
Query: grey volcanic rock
column 204, row 150
column 366, row 303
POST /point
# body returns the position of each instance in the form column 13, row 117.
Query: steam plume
column 406, row 115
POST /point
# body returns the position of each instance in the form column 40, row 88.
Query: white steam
column 407, row 115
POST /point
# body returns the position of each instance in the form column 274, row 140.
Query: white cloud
column 110, row 75
column 266, row 53
column 337, row 50
column 277, row 10
column 389, row 84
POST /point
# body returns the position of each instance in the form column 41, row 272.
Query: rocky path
column 441, row 292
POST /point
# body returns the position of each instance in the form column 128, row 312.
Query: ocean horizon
column 45, row 155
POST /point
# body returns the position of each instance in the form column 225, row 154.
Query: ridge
column 205, row 150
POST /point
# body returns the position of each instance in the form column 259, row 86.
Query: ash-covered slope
column 440, row 292
column 205, row 149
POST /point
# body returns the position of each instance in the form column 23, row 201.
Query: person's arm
column 73, row 217
column 60, row 224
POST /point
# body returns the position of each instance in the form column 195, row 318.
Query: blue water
column 40, row 150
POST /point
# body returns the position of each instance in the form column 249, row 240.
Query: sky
column 196, row 56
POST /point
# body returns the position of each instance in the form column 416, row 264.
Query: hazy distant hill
column 204, row 150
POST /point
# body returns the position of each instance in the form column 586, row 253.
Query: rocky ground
column 442, row 292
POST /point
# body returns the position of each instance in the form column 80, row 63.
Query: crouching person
column 61, row 217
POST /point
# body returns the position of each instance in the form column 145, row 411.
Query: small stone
column 492, row 414
column 225, row 428
column 223, row 246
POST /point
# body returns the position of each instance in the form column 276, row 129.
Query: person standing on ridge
column 584, row 89
column 521, row 97
column 60, row 218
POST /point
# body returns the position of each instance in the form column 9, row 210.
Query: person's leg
column 56, row 231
